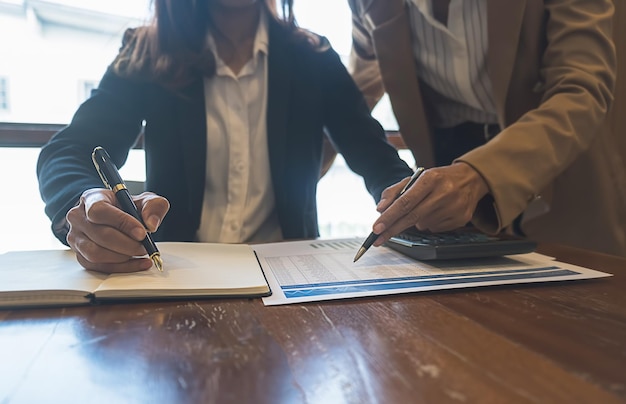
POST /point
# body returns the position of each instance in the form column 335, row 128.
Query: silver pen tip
column 359, row 254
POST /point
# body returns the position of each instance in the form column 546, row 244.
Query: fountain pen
column 111, row 179
column 373, row 236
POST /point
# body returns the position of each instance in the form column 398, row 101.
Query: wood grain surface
column 554, row 342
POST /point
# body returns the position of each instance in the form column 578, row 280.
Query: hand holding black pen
column 112, row 180
column 369, row 241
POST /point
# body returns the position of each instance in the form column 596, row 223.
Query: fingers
column 441, row 199
column 101, row 243
column 443, row 212
column 105, row 238
column 130, row 265
column 103, row 249
column 100, row 209
column 403, row 212
column 153, row 209
column 389, row 195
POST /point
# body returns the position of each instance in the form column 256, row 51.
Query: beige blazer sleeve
column 577, row 75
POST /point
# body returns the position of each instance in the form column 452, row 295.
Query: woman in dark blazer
column 157, row 79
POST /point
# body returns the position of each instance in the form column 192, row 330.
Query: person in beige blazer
column 552, row 172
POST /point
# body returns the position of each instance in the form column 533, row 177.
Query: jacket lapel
column 504, row 19
column 392, row 41
column 279, row 83
column 192, row 132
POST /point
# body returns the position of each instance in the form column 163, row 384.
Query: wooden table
column 561, row 343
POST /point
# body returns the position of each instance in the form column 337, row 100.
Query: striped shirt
column 452, row 61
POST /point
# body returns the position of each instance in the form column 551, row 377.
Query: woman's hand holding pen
column 105, row 238
column 442, row 199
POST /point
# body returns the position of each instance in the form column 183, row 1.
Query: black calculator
column 466, row 242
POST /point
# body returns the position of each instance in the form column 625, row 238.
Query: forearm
column 63, row 176
column 578, row 75
column 354, row 132
column 64, row 166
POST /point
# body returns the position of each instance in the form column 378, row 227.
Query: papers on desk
column 305, row 271
column 299, row 271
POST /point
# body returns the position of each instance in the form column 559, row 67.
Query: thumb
column 152, row 208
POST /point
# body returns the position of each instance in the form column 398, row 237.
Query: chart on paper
column 303, row 271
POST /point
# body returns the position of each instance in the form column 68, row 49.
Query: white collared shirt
column 239, row 205
column 452, row 60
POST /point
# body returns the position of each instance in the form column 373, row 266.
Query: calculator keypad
column 447, row 238
column 465, row 242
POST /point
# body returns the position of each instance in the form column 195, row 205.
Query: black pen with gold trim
column 369, row 241
column 111, row 179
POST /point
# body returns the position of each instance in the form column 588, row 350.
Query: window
column 52, row 54
column 345, row 208
column 333, row 19
column 63, row 49
column 61, row 43
column 85, row 87
column 4, row 94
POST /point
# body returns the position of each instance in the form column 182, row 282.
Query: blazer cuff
column 485, row 216
column 60, row 228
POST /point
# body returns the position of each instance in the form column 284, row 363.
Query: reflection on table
column 533, row 343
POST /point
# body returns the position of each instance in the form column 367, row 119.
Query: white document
column 305, row 271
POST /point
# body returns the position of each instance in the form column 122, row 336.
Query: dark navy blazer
column 309, row 91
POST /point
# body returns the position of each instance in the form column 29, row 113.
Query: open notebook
column 54, row 277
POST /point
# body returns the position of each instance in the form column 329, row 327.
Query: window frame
column 5, row 103
column 23, row 134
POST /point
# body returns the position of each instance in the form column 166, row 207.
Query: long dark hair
column 172, row 48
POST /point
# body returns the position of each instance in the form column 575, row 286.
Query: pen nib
column 158, row 262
